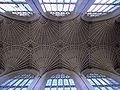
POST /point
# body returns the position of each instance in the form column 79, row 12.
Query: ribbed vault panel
column 15, row 58
column 104, row 32
column 44, row 32
column 74, row 33
column 44, row 57
column 14, row 32
column 75, row 58
column 46, row 45
column 103, row 57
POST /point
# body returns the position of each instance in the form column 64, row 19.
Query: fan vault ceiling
column 45, row 45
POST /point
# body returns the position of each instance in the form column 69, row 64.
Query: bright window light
column 48, row 7
column 53, row 1
column 5, row 1
column 46, row 1
column 102, row 7
column 67, row 1
column 58, row 7
column 20, row 9
column 74, row 1
column 60, row 1
column 66, row 7
column 60, row 82
column 20, row 82
column 100, row 81
column 54, row 7
column 97, row 1
column 72, row 6
column 111, row 1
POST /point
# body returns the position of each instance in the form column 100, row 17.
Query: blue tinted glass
column 53, row 88
column 66, row 88
column 107, row 81
column 96, row 88
column 24, row 82
column 19, row 0
column 101, row 6
column 5, row 1
column 117, row 1
column 29, row 82
column 110, row 88
column 66, row 82
column 49, row 81
column 18, row 82
column 103, row 88
column 116, row 87
column 11, row 88
column 101, row 81
column 3, row 88
column 58, row 7
column 114, row 8
column 28, row 7
column 5, row 82
column 60, row 88
column 73, row 88
column 24, row 89
column 113, row 81
column 91, row 82
column 71, row 82
column 60, row 82
column 54, row 83
column 12, row 82
column 18, row 89
column 47, row 88
column 96, row 81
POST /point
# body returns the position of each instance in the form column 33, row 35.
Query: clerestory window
column 19, row 82
column 103, row 7
column 60, row 82
column 58, row 7
column 17, row 7
column 102, row 82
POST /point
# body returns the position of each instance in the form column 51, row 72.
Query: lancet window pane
column 20, row 82
column 100, row 81
column 60, row 82
column 17, row 7
column 58, row 7
column 103, row 7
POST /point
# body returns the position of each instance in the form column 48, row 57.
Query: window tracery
column 60, row 82
column 102, row 82
column 19, row 82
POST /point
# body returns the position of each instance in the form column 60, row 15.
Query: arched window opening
column 19, row 82
column 102, row 82
column 17, row 7
column 58, row 7
column 60, row 82
column 103, row 7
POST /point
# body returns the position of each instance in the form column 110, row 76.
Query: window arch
column 102, row 82
column 60, row 82
column 66, row 80
column 19, row 82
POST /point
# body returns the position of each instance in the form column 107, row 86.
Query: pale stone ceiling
column 45, row 45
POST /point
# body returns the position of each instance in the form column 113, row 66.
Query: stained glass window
column 60, row 82
column 102, row 7
column 20, row 82
column 58, row 7
column 18, row 7
column 102, row 82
